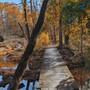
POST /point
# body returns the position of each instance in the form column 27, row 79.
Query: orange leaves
column 28, row 10
column 6, row 3
column 31, row 15
column 24, row 7
column 23, row 14
column 26, row 22
column 6, row 51
column 1, row 5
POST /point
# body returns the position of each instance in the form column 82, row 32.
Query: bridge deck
column 55, row 75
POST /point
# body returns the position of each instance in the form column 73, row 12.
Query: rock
column 3, row 84
column 21, row 86
column 1, row 39
column 6, row 80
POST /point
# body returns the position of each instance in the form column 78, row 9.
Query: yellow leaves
column 74, row 39
column 67, row 32
column 88, row 12
column 44, row 38
column 70, row 36
column 77, row 39
column 63, row 27
column 31, row 23
column 46, row 15
column 50, row 16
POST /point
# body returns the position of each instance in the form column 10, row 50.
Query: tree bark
column 6, row 25
column 21, row 29
column 54, row 34
column 50, row 33
column 31, row 13
column 35, row 10
column 60, row 31
column 60, row 34
column 28, row 83
column 81, row 41
column 66, row 39
column 29, row 49
column 26, row 24
column 1, row 30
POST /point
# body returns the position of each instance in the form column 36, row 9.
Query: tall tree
column 6, row 19
column 32, row 11
column 21, row 29
column 29, row 49
column 1, row 19
column 72, row 11
column 60, row 31
column 26, row 24
column 54, row 33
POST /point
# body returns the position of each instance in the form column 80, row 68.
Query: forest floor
column 77, row 66
column 11, row 52
column 72, row 59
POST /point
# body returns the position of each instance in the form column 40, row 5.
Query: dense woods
column 28, row 27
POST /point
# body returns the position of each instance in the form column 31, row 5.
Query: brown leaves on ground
column 80, row 74
column 35, row 61
column 13, row 54
column 70, row 58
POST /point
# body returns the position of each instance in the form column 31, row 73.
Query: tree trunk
column 28, row 83
column 1, row 30
column 21, row 29
column 35, row 10
column 54, row 34
column 33, row 85
column 32, row 12
column 6, row 25
column 50, row 33
column 28, row 51
column 66, row 39
column 60, row 34
column 60, row 31
column 26, row 24
column 81, row 41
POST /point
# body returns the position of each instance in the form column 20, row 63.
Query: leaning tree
column 29, row 49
